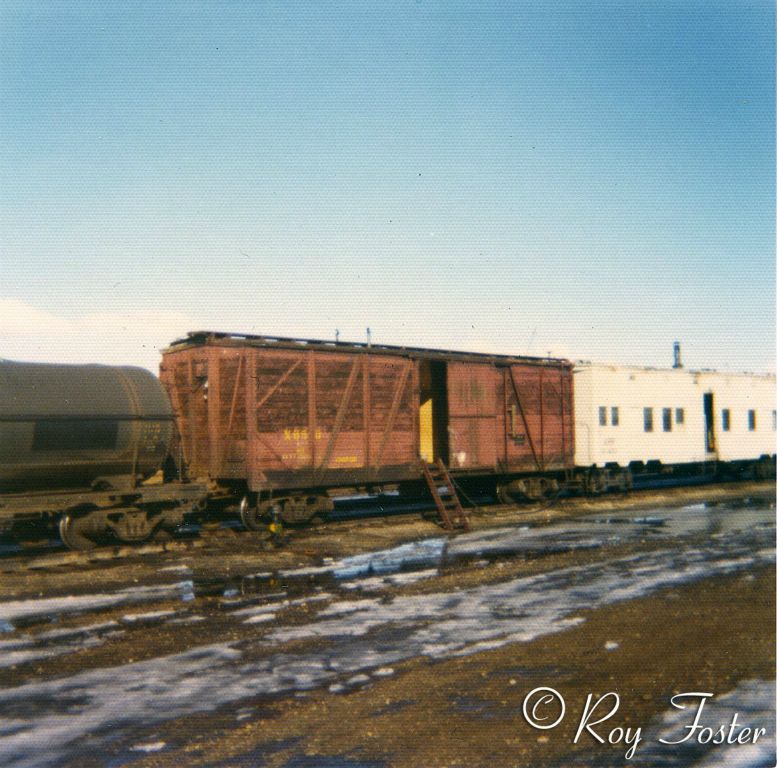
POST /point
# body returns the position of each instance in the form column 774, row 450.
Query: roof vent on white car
column 678, row 363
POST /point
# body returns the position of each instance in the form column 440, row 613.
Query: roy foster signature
column 544, row 708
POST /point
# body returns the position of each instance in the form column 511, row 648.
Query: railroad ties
column 445, row 497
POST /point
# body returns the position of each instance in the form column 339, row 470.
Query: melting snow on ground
column 56, row 606
column 42, row 722
column 354, row 641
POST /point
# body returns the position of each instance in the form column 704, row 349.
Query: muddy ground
column 386, row 643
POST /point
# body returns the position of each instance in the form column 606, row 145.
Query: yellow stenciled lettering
column 346, row 460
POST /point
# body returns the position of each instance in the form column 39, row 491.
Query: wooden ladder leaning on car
column 445, row 497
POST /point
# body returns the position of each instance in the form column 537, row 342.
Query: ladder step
column 445, row 497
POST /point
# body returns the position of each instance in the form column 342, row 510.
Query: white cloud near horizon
column 19, row 318
column 137, row 336
column 126, row 337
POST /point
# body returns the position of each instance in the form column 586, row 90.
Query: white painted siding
column 632, row 390
column 740, row 393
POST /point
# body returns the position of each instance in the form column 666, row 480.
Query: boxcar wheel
column 161, row 535
column 75, row 530
column 503, row 495
column 541, row 488
column 527, row 489
column 251, row 517
column 763, row 469
column 300, row 510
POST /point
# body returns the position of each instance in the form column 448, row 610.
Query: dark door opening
column 433, row 411
column 709, row 422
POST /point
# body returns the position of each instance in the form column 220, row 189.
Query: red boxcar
column 297, row 417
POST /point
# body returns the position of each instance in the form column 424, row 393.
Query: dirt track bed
column 388, row 643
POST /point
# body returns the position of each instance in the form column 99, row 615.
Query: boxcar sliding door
column 472, row 415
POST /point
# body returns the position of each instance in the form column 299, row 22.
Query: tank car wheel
column 75, row 530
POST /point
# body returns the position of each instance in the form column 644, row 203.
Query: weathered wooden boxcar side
column 297, row 417
column 508, row 417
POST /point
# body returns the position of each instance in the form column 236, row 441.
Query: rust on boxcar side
column 512, row 418
column 392, row 415
column 472, row 413
column 339, row 419
column 284, row 413
column 527, row 433
column 293, row 417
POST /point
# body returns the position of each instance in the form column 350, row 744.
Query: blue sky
column 593, row 179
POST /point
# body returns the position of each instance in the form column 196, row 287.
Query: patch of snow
column 28, row 648
column 517, row 610
column 378, row 583
column 257, row 610
column 193, row 619
column 32, row 608
column 260, row 619
column 344, row 607
column 383, row 672
column 403, row 557
column 13, row 658
column 86, row 629
column 154, row 746
column 132, row 618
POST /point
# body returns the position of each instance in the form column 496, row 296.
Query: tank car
column 78, row 444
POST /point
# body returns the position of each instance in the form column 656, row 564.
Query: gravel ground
column 386, row 643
